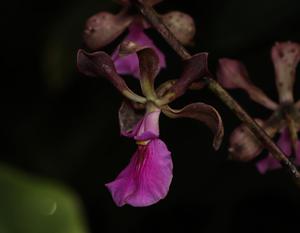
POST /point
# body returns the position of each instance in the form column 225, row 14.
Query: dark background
column 61, row 125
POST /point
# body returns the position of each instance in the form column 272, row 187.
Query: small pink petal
column 284, row 142
column 147, row 177
column 233, row 74
column 130, row 64
column 269, row 163
column 147, row 128
column 266, row 164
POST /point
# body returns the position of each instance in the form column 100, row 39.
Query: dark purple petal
column 233, row 74
column 193, row 70
column 148, row 65
column 146, row 179
column 181, row 25
column 286, row 57
column 102, row 28
column 204, row 113
column 269, row 163
column 130, row 64
column 100, row 64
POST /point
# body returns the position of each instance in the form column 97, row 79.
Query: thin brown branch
column 150, row 14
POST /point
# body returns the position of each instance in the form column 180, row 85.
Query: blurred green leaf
column 34, row 205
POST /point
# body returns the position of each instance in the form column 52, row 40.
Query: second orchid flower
column 285, row 118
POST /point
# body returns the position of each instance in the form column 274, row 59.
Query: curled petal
column 146, row 179
column 148, row 65
column 285, row 57
column 194, row 69
column 100, row 64
column 102, row 28
column 130, row 64
column 181, row 25
column 129, row 117
column 149, row 68
column 244, row 146
column 233, row 74
column 269, row 163
column 204, row 113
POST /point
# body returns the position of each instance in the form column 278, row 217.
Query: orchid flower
column 104, row 27
column 285, row 118
column 147, row 177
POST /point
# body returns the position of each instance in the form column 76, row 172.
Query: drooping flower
column 285, row 118
column 148, row 175
column 104, row 27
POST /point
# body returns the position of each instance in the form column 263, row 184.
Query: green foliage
column 34, row 205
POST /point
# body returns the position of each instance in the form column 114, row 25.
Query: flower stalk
column 152, row 17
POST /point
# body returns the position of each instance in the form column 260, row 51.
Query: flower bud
column 102, row 28
column 181, row 25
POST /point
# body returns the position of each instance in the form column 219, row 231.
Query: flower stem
column 293, row 134
column 153, row 18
